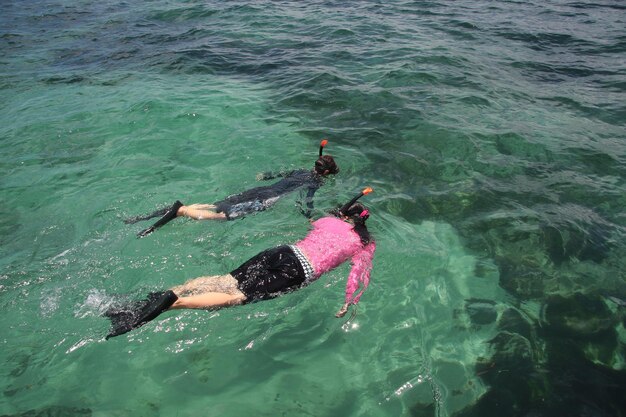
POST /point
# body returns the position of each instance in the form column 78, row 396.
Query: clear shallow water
column 493, row 134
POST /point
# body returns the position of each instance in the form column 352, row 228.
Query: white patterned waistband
column 306, row 265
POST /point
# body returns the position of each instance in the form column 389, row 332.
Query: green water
column 107, row 153
column 493, row 137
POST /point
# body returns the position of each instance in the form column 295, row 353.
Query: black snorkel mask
column 365, row 214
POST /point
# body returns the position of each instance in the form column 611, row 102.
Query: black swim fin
column 169, row 215
column 137, row 313
column 152, row 215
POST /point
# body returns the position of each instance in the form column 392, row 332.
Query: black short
column 269, row 274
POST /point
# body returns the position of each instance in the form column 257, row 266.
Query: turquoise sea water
column 492, row 132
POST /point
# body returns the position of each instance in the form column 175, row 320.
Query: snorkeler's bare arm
column 342, row 311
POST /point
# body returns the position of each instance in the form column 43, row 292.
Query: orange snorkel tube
column 346, row 206
column 322, row 144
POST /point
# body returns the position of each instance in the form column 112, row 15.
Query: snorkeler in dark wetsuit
column 253, row 200
column 260, row 198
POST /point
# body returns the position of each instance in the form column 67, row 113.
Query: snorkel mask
column 365, row 213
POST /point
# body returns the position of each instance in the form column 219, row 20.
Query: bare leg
column 203, row 206
column 208, row 300
column 208, row 292
column 201, row 212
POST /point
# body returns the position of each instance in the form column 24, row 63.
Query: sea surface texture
column 493, row 134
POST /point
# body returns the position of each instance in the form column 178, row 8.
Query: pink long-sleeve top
column 332, row 242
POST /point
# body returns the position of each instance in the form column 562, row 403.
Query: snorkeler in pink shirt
column 273, row 272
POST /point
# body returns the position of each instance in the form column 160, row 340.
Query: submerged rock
column 596, row 244
column 513, row 355
column 509, row 373
column 579, row 316
column 512, row 321
column 580, row 387
column 423, row 410
column 54, row 411
column 591, row 243
column 555, row 247
column 481, row 312
column 522, row 280
column 494, row 402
